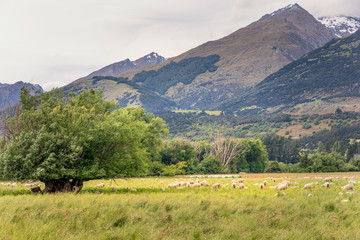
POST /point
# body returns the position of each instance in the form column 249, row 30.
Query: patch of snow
column 288, row 7
column 341, row 25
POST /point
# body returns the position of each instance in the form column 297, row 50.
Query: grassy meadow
column 186, row 213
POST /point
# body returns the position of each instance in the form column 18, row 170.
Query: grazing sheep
column 197, row 185
column 261, row 186
column 172, row 185
column 161, row 182
column 7, row 184
column 328, row 179
column 286, row 182
column 317, row 183
column 240, row 180
column 131, row 189
column 274, row 180
column 348, row 187
column 345, row 200
column 241, row 185
column 326, row 184
column 29, row 185
column 265, row 183
column 204, row 183
column 100, row 185
column 216, row 185
column 191, row 182
column 307, row 186
column 14, row 184
column 162, row 188
column 233, row 185
column 352, row 181
column 188, row 185
column 309, row 195
column 282, row 186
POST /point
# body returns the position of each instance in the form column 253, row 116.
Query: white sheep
column 233, row 185
column 261, row 186
column 216, row 185
column 282, row 186
column 240, row 180
column 204, row 183
column 307, row 186
column 172, row 185
column 100, row 185
column 286, row 182
column 161, row 182
column 309, row 195
column 131, row 189
column 265, row 183
column 326, row 184
column 29, row 185
column 196, row 185
column 328, row 179
column 14, row 184
column 348, row 187
column 241, row 185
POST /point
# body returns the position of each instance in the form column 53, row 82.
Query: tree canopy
column 65, row 140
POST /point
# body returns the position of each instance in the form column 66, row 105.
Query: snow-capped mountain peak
column 341, row 25
column 288, row 7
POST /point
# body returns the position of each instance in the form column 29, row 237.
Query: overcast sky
column 52, row 42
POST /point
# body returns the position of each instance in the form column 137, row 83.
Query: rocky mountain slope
column 118, row 68
column 246, row 57
column 324, row 79
column 9, row 93
column 341, row 26
column 218, row 70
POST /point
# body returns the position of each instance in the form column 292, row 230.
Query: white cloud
column 55, row 42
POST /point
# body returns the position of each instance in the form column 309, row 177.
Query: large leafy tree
column 65, row 140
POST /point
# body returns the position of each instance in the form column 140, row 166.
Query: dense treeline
column 63, row 140
column 224, row 155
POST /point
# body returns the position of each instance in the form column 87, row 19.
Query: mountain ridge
column 328, row 75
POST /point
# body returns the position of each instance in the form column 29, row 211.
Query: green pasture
column 140, row 209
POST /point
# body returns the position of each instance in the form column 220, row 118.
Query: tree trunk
column 63, row 186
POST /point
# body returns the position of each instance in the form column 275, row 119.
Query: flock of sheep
column 235, row 183
column 240, row 184
column 27, row 184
